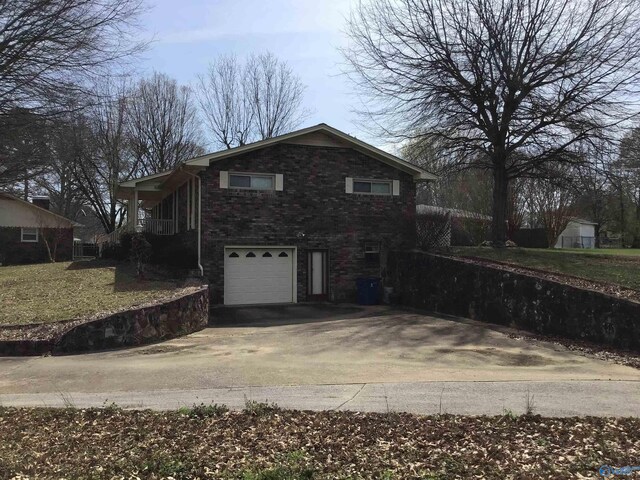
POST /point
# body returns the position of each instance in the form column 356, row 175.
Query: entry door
column 317, row 274
column 257, row 275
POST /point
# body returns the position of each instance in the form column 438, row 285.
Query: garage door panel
column 258, row 275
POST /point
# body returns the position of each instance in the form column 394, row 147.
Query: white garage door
column 258, row 275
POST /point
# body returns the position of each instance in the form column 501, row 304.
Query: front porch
column 162, row 204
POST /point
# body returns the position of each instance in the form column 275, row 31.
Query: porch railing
column 149, row 225
column 157, row 226
column 112, row 237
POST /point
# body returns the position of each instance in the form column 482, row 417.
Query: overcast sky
column 305, row 33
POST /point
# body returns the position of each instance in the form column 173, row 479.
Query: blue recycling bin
column 368, row 290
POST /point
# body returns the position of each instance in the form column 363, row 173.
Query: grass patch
column 204, row 411
column 67, row 290
column 113, row 443
column 596, row 265
column 260, row 409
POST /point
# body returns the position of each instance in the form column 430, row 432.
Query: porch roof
column 153, row 188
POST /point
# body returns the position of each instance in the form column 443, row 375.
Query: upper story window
column 372, row 187
column 251, row 181
column 29, row 235
column 254, row 182
column 369, row 186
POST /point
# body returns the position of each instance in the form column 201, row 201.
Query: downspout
column 200, row 267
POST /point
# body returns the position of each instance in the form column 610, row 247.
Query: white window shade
column 279, row 182
column 396, row 187
column 348, row 185
column 224, row 179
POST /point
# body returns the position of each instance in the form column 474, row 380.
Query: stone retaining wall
column 491, row 294
column 137, row 326
column 163, row 321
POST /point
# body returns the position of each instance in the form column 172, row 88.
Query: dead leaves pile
column 112, row 443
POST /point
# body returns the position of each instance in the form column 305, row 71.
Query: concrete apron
column 552, row 399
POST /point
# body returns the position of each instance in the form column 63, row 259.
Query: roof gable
column 151, row 187
column 319, row 135
column 21, row 213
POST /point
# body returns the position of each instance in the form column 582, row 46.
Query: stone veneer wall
column 490, row 294
column 139, row 326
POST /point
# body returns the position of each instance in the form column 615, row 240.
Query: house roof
column 392, row 160
column 204, row 161
column 37, row 209
column 454, row 212
column 582, row 221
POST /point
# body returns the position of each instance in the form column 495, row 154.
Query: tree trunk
column 622, row 219
column 499, row 208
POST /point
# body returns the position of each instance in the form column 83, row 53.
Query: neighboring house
column 440, row 227
column 25, row 229
column 294, row 218
column 578, row 234
column 453, row 212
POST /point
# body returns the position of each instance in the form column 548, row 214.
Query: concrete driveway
column 312, row 345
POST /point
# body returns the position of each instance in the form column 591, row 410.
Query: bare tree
column 593, row 184
column 225, row 103
column 551, row 205
column 516, row 206
column 49, row 48
column 102, row 155
column 58, row 181
column 275, row 94
column 510, row 86
column 243, row 102
column 162, row 124
column 468, row 190
column 24, row 151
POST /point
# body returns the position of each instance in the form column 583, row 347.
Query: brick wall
column 313, row 212
column 14, row 252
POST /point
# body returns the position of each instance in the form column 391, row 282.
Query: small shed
column 579, row 233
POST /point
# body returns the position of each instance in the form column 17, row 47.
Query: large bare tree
column 224, row 102
column 24, row 149
column 275, row 95
column 162, row 124
column 253, row 100
column 102, row 153
column 50, row 47
column 510, row 86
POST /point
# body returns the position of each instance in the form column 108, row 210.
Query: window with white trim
column 29, row 235
column 372, row 186
column 372, row 252
column 252, row 181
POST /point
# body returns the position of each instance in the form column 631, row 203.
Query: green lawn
column 61, row 291
column 619, row 267
column 630, row 252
